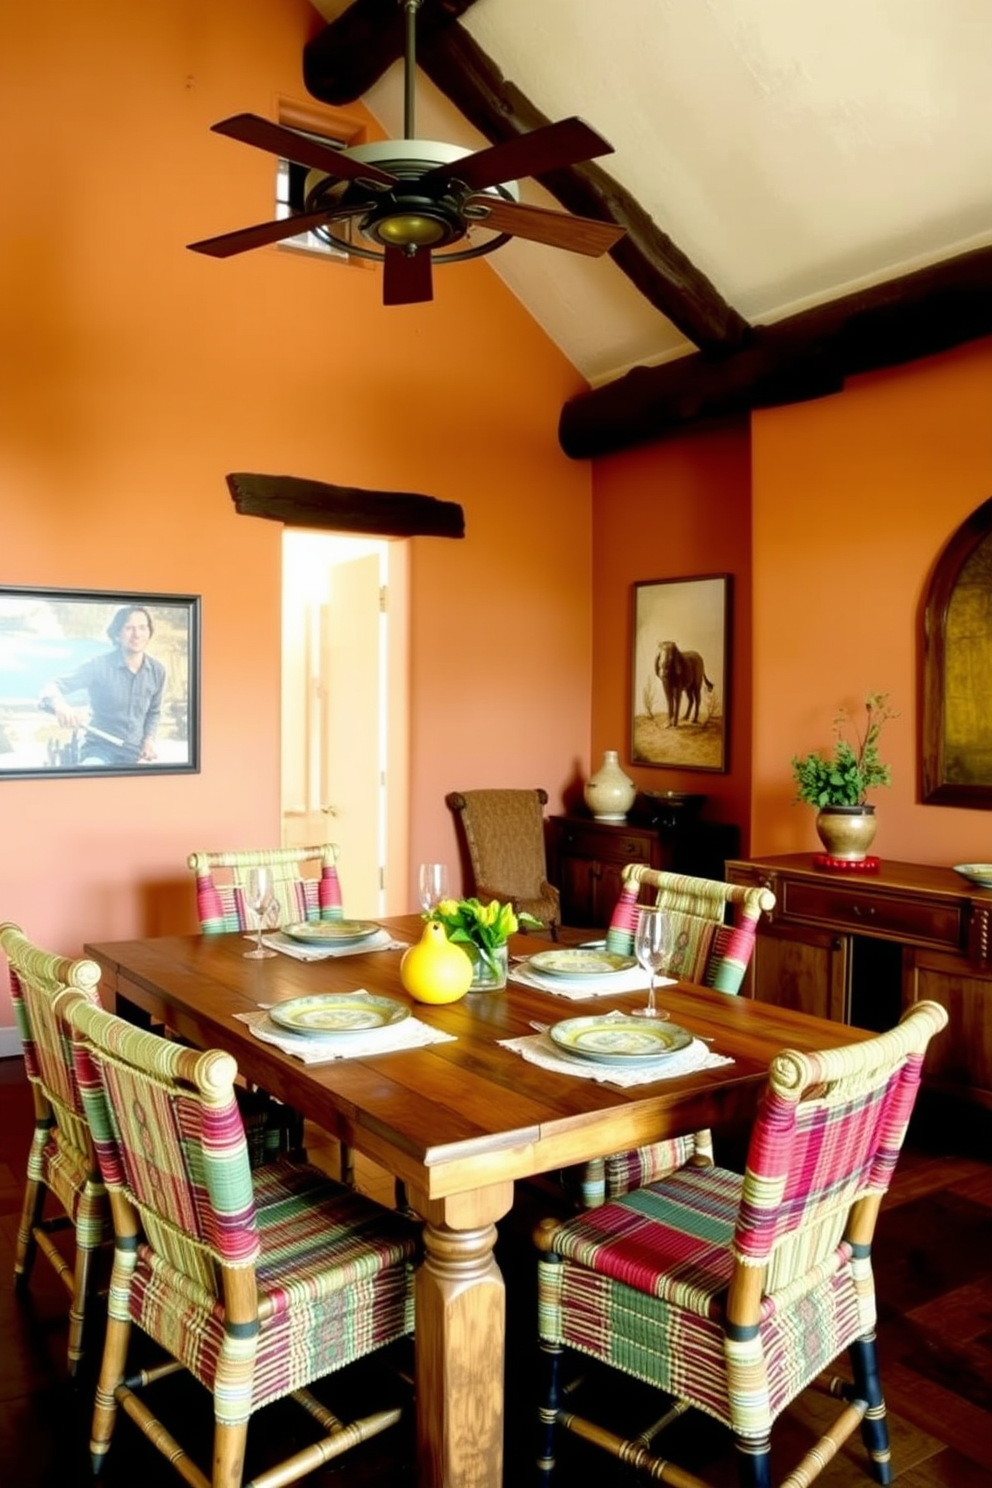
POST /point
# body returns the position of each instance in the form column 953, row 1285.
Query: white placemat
column 579, row 988
column 539, row 1049
column 410, row 1034
column 300, row 951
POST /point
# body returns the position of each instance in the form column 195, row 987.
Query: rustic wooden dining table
column 459, row 1122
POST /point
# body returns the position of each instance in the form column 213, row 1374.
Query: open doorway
column 344, row 710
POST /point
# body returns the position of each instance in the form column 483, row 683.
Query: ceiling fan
column 409, row 203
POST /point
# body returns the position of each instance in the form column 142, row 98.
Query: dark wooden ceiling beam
column 804, row 356
column 649, row 258
column 340, row 65
column 310, row 503
column 352, row 52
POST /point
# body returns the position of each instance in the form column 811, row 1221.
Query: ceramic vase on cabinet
column 610, row 793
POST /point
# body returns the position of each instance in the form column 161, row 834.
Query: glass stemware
column 260, row 898
column 433, row 885
column 651, row 949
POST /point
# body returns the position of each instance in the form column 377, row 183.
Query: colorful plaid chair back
column 170, row 1140
column 257, row 1282
column 504, row 833
column 826, row 1140
column 220, row 880
column 704, row 948
column 61, row 1160
column 734, row 1294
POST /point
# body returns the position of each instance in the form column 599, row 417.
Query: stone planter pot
column 847, row 832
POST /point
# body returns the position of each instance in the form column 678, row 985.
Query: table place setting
column 579, row 973
column 312, row 946
column 616, row 1048
column 341, row 1025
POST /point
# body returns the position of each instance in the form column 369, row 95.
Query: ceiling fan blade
column 557, row 229
column 407, row 278
column 258, row 236
column 544, row 149
column 251, row 129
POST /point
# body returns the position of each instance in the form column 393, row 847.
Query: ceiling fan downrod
column 410, row 8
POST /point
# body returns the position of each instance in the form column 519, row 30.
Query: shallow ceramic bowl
column 976, row 873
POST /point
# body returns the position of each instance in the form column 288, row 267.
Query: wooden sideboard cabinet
column 586, row 858
column 859, row 947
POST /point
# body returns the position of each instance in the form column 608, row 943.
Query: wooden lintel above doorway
column 309, row 503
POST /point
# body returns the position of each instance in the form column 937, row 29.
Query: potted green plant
column 838, row 784
column 482, row 931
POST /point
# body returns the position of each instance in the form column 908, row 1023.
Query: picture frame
column 73, row 699
column 956, row 753
column 680, row 673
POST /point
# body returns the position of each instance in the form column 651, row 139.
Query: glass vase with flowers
column 482, row 931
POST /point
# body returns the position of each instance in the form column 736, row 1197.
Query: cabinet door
column 577, row 881
column 802, row 968
column 959, row 1060
column 608, row 882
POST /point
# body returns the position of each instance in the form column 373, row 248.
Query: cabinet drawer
column 926, row 921
column 608, row 847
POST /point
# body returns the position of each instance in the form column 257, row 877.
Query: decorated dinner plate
column 330, row 932
column 619, row 1040
column 338, row 1012
column 579, row 961
column 976, row 873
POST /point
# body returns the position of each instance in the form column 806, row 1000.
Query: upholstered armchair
column 504, row 833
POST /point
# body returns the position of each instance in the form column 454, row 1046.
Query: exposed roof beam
column 338, row 65
column 352, row 52
column 310, row 503
column 804, row 356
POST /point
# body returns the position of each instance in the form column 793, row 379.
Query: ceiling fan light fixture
column 409, row 229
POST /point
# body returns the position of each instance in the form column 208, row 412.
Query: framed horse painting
column 680, row 707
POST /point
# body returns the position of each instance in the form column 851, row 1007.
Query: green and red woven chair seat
column 334, row 1278
column 256, row 1281
column 733, row 1293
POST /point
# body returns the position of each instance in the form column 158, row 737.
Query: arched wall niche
column 957, row 669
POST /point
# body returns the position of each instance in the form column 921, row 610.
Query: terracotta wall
column 848, row 503
column 854, row 497
column 136, row 374
column 680, row 508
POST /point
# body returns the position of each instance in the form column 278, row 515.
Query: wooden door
column 334, row 728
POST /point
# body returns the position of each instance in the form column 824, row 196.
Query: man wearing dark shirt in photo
column 124, row 688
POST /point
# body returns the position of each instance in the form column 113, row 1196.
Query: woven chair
column 272, row 1129
column 61, row 1162
column 256, row 1282
column 733, row 1294
column 220, row 900
column 504, row 833
column 704, row 949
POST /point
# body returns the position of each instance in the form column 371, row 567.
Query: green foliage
column 484, row 926
column 846, row 777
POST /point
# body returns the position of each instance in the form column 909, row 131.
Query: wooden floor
column 934, row 1273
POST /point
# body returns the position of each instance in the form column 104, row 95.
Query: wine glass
column 433, row 885
column 651, row 948
column 260, row 899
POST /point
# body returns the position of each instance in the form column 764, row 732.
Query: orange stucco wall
column 854, row 497
column 136, row 375
column 846, row 507
column 677, row 509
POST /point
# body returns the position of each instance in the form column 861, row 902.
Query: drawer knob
column 864, row 914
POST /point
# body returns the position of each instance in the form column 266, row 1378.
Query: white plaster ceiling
column 793, row 149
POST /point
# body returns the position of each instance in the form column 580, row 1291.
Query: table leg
column 459, row 1345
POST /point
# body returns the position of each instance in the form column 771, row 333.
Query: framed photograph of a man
column 96, row 683
column 679, row 676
